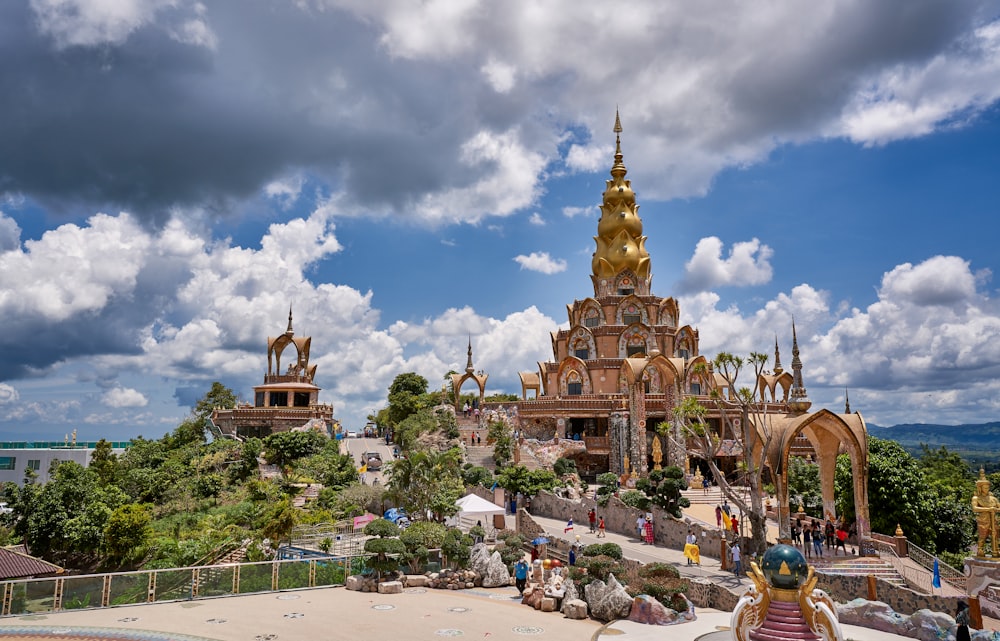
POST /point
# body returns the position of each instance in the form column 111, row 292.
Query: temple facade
column 626, row 362
column 285, row 401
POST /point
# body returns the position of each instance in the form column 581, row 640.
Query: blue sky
column 176, row 174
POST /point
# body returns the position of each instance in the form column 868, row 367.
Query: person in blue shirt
column 520, row 575
column 572, row 555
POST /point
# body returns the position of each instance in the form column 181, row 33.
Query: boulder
column 390, row 587
column 533, row 597
column 876, row 615
column 646, row 609
column 479, row 559
column 574, row 608
column 928, row 625
column 496, row 574
column 353, row 583
column 416, row 581
column 570, row 594
column 548, row 604
column 608, row 601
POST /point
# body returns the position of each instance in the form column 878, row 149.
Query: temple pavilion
column 626, row 362
column 285, row 401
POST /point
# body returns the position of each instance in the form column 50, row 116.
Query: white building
column 18, row 456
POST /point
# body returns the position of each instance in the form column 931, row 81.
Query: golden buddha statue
column 985, row 506
column 657, row 453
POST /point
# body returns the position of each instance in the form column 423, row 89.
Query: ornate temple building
column 284, row 401
column 626, row 363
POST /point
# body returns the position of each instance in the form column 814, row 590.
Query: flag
column 493, row 489
column 692, row 552
column 936, row 581
column 728, row 522
column 363, row 469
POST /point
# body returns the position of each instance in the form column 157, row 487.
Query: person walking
column 647, row 530
column 818, row 539
column 690, row 540
column 601, row 534
column 807, row 540
column 737, row 561
column 640, row 523
column 572, row 555
column 520, row 575
column 592, row 519
column 718, row 516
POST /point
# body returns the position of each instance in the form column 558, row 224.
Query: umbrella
column 539, row 541
column 936, row 581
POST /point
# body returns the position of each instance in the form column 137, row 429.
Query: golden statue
column 657, row 453
column 985, row 506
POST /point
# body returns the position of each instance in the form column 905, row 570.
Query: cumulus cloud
column 536, row 219
column 10, row 233
column 124, row 397
column 573, row 212
column 8, row 394
column 938, row 351
column 450, row 111
column 541, row 262
column 748, row 263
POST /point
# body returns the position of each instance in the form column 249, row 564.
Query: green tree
column 284, row 448
column 218, row 396
column 476, row 475
column 127, row 530
column 897, row 492
column 104, row 462
column 503, row 442
column 404, row 396
column 804, row 486
column 519, row 479
column 456, row 548
column 427, row 481
column 279, row 521
column 67, row 515
column 663, row 487
column 743, row 413
column 385, row 546
column 330, row 467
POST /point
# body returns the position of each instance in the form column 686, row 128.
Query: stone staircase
column 784, row 622
column 481, row 455
column 859, row 566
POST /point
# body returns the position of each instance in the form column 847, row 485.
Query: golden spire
column 620, row 243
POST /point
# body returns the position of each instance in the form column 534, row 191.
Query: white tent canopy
column 472, row 508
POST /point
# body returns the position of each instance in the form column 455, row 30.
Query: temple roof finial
column 799, row 400
column 777, row 358
column 468, row 364
column 847, row 402
column 289, row 329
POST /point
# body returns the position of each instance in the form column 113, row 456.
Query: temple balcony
column 270, row 379
column 597, row 444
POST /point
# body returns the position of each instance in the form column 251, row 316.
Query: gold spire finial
column 289, row 329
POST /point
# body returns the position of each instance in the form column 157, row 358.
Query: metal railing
column 54, row 594
column 926, row 560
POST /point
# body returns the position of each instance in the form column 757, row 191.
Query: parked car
column 352, row 434
column 373, row 460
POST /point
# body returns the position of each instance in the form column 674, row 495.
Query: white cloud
column 510, row 182
column 96, row 22
column 124, row 397
column 286, row 190
column 936, row 352
column 536, row 219
column 573, row 212
column 72, row 269
column 8, row 394
column 10, row 233
column 747, row 264
column 500, row 76
column 541, row 262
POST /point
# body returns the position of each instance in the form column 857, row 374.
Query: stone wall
column 901, row 599
column 620, row 518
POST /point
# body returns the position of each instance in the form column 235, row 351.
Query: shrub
column 636, row 499
column 599, row 567
column 612, row 550
column 457, row 548
column 666, row 570
column 564, row 466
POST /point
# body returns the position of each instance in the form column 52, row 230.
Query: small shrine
column 784, row 602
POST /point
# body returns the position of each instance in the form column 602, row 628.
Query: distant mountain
column 983, row 437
